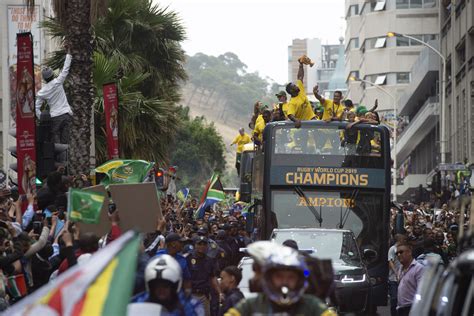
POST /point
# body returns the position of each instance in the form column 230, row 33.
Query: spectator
column 230, row 279
column 409, row 276
column 53, row 93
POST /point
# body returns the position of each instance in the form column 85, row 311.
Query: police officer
column 224, row 259
column 235, row 243
column 203, row 272
column 217, row 254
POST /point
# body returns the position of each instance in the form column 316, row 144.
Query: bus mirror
column 370, row 254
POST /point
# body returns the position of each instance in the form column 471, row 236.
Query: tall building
column 386, row 61
column 417, row 147
column 324, row 56
column 14, row 19
column 403, row 76
column 457, row 45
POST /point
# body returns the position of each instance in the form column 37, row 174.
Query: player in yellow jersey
column 299, row 108
column 240, row 140
column 333, row 109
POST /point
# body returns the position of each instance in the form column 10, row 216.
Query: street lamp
column 442, row 123
column 394, row 100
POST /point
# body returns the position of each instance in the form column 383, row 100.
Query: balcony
column 420, row 126
column 424, row 75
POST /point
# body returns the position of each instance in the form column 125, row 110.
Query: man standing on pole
column 53, row 93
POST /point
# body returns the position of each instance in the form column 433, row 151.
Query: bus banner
column 328, row 176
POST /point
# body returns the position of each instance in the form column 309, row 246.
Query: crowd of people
column 189, row 264
column 427, row 230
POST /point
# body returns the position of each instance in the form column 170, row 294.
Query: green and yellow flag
column 84, row 206
column 125, row 171
column 102, row 285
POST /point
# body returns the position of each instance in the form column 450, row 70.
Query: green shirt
column 260, row 305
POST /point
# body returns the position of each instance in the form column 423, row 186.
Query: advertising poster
column 111, row 119
column 25, row 115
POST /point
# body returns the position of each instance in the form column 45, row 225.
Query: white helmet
column 164, row 267
column 285, row 259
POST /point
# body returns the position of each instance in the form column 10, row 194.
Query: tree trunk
column 192, row 96
column 209, row 98
column 79, row 37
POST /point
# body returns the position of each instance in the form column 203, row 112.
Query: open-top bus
column 325, row 175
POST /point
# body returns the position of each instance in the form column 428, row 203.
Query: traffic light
column 160, row 181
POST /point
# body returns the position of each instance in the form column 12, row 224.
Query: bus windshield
column 356, row 210
column 329, row 145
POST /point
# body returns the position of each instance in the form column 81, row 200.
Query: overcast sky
column 258, row 31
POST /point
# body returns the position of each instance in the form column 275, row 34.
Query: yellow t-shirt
column 331, row 109
column 284, row 108
column 299, row 106
column 259, row 119
column 258, row 130
column 241, row 140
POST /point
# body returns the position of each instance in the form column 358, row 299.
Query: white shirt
column 53, row 93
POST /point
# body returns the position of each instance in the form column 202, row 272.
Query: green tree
column 198, row 151
column 146, row 125
column 76, row 17
column 227, row 76
column 138, row 46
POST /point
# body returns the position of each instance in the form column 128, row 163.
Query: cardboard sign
column 138, row 205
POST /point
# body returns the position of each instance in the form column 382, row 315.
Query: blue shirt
column 182, row 263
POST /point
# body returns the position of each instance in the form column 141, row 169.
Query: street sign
column 451, row 166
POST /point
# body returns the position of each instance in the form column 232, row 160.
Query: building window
column 381, row 79
column 429, row 3
column 403, row 41
column 353, row 10
column 380, row 42
column 353, row 43
column 403, row 77
column 379, row 6
column 354, row 74
column 415, row 4
column 403, row 4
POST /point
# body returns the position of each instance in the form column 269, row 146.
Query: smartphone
column 37, row 227
column 112, row 208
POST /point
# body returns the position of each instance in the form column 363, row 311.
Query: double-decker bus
column 325, row 175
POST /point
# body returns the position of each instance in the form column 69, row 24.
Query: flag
column 124, row 171
column 182, row 194
column 84, row 206
column 101, row 286
column 213, row 192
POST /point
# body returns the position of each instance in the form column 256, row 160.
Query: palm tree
column 146, row 125
column 134, row 37
column 75, row 17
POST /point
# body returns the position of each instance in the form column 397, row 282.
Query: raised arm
column 317, row 95
column 300, row 75
column 67, row 64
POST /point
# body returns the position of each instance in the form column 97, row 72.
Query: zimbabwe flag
column 101, row 286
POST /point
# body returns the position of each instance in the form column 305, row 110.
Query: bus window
column 328, row 141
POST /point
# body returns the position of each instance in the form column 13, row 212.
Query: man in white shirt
column 53, row 93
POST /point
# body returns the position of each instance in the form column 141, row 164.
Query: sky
column 258, row 31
